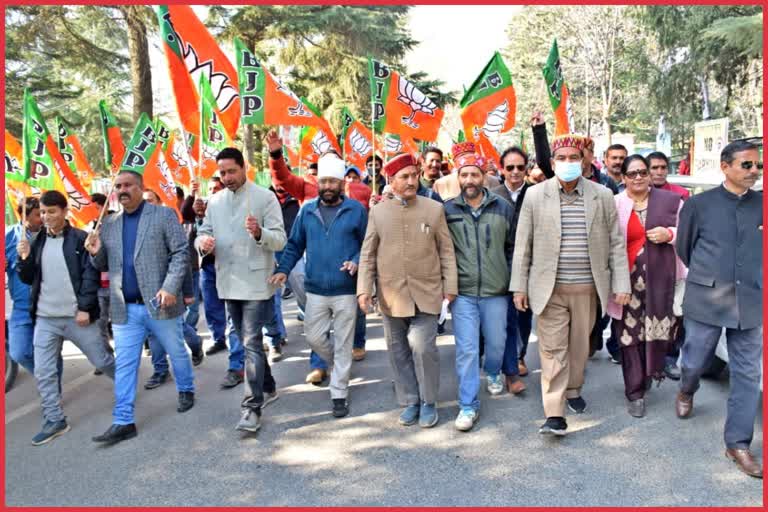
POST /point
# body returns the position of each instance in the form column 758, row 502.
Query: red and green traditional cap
column 569, row 140
column 399, row 163
column 464, row 155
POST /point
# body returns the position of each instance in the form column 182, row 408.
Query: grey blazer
column 720, row 239
column 161, row 260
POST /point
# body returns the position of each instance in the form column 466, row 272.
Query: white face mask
column 568, row 171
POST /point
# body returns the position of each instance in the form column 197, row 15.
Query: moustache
column 123, row 195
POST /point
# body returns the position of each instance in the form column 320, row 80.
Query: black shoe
column 554, row 426
column 672, row 371
column 287, row 293
column 98, row 372
column 156, row 380
column 186, row 401
column 232, row 379
column 116, row 433
column 300, row 316
column 216, row 348
column 50, row 431
column 441, row 329
column 577, row 405
column 198, row 358
column 616, row 357
column 340, row 407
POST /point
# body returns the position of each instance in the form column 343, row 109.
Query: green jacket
column 483, row 244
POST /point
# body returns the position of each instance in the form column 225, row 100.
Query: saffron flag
column 316, row 140
column 175, row 154
column 72, row 151
column 144, row 156
column 46, row 169
column 488, row 107
column 14, row 161
column 356, row 138
column 192, row 52
column 114, row 147
column 395, row 144
column 557, row 90
column 264, row 99
column 399, row 107
column 213, row 136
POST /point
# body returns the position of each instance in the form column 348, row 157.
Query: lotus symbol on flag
column 75, row 198
column 392, row 145
column 209, row 153
column 179, row 153
column 167, row 185
column 224, row 92
column 415, row 99
column 496, row 119
column 320, row 143
column 359, row 143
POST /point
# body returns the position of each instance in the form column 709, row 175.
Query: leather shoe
column 316, row 376
column 116, row 433
column 683, row 405
column 515, row 386
column 216, row 348
column 358, row 354
column 521, row 368
column 186, row 401
column 232, row 379
column 745, row 461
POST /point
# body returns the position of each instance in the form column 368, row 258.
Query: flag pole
column 373, row 146
column 189, row 156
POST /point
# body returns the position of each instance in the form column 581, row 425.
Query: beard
column 470, row 191
column 330, row 196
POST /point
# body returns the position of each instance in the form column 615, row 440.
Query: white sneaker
column 249, row 421
column 466, row 419
column 494, row 384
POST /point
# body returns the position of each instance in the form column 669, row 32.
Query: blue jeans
column 218, row 319
column 20, row 336
column 159, row 358
column 193, row 310
column 129, row 339
column 511, row 352
column 470, row 316
column 249, row 318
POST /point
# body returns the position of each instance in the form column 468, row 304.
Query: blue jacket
column 428, row 193
column 20, row 292
column 327, row 247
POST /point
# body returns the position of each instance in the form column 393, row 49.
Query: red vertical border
column 386, row 2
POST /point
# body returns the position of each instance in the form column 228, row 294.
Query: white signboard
column 710, row 137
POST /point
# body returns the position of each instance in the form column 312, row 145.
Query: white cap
column 330, row 166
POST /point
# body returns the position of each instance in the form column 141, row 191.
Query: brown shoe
column 358, row 354
column 745, row 461
column 514, row 385
column 522, row 369
column 316, row 376
column 683, row 405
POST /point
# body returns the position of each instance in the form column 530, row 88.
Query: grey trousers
column 412, row 347
column 50, row 334
column 745, row 351
column 335, row 348
column 296, row 282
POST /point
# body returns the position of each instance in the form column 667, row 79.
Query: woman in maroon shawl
column 647, row 325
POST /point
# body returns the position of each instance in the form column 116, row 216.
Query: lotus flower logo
column 416, row 101
column 76, row 200
column 320, row 143
column 167, row 185
column 392, row 145
column 496, row 119
column 359, row 143
column 179, row 153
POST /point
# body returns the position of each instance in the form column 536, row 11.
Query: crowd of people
column 578, row 243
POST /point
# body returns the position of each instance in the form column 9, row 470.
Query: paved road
column 303, row 456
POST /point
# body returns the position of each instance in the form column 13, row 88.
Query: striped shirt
column 573, row 267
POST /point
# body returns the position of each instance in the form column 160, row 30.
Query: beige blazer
column 537, row 245
column 408, row 253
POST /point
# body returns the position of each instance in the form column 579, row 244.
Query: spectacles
column 634, row 174
column 510, row 168
column 748, row 164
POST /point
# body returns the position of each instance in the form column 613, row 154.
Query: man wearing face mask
column 408, row 253
column 330, row 229
column 568, row 227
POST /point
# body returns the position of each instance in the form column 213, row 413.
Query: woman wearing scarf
column 645, row 327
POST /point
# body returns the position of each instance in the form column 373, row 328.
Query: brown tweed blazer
column 537, row 244
column 408, row 253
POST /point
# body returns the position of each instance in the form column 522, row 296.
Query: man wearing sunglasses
column 719, row 239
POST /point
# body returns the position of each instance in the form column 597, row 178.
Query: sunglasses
column 748, row 164
column 634, row 174
column 510, row 168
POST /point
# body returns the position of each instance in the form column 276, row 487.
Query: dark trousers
column 745, row 351
column 249, row 318
column 524, row 322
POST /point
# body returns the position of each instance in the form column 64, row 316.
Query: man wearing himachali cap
column 568, row 228
column 408, row 254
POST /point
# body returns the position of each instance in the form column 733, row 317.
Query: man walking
column 481, row 227
column 568, row 226
column 331, row 230
column 63, row 305
column 408, row 254
column 719, row 239
column 145, row 251
column 245, row 222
